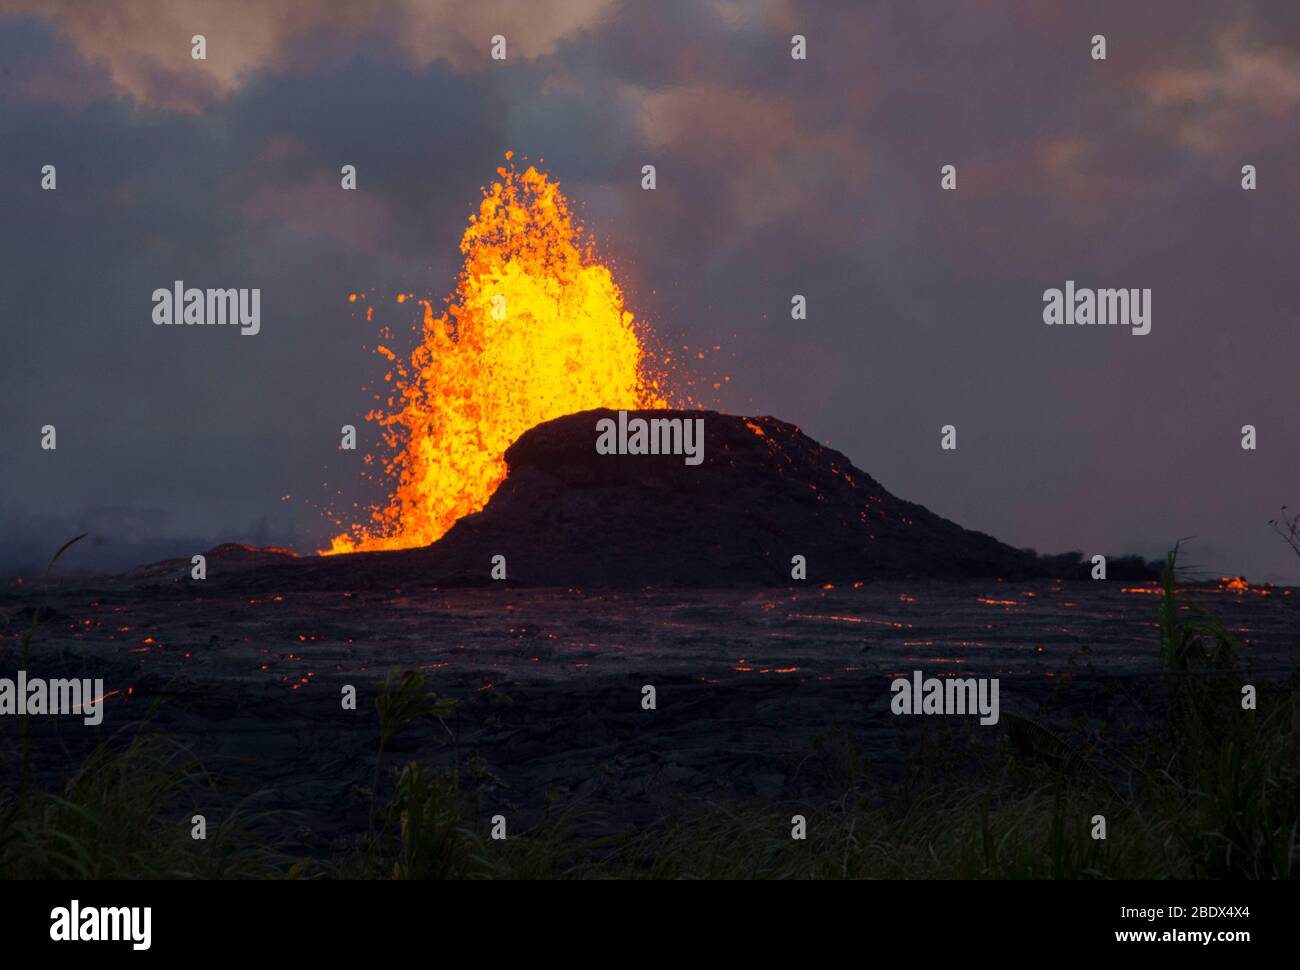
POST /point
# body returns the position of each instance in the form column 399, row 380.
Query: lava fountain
column 536, row 330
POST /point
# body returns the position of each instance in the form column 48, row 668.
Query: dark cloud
column 775, row 177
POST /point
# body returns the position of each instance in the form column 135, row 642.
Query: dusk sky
column 775, row 177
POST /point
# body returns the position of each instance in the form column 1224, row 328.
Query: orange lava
column 536, row 330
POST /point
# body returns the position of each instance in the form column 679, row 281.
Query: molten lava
column 536, row 330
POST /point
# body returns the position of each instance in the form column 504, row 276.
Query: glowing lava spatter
column 536, row 330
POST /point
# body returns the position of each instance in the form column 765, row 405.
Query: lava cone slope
column 763, row 493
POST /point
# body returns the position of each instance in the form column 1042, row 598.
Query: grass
column 124, row 815
column 1213, row 794
column 127, row 812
